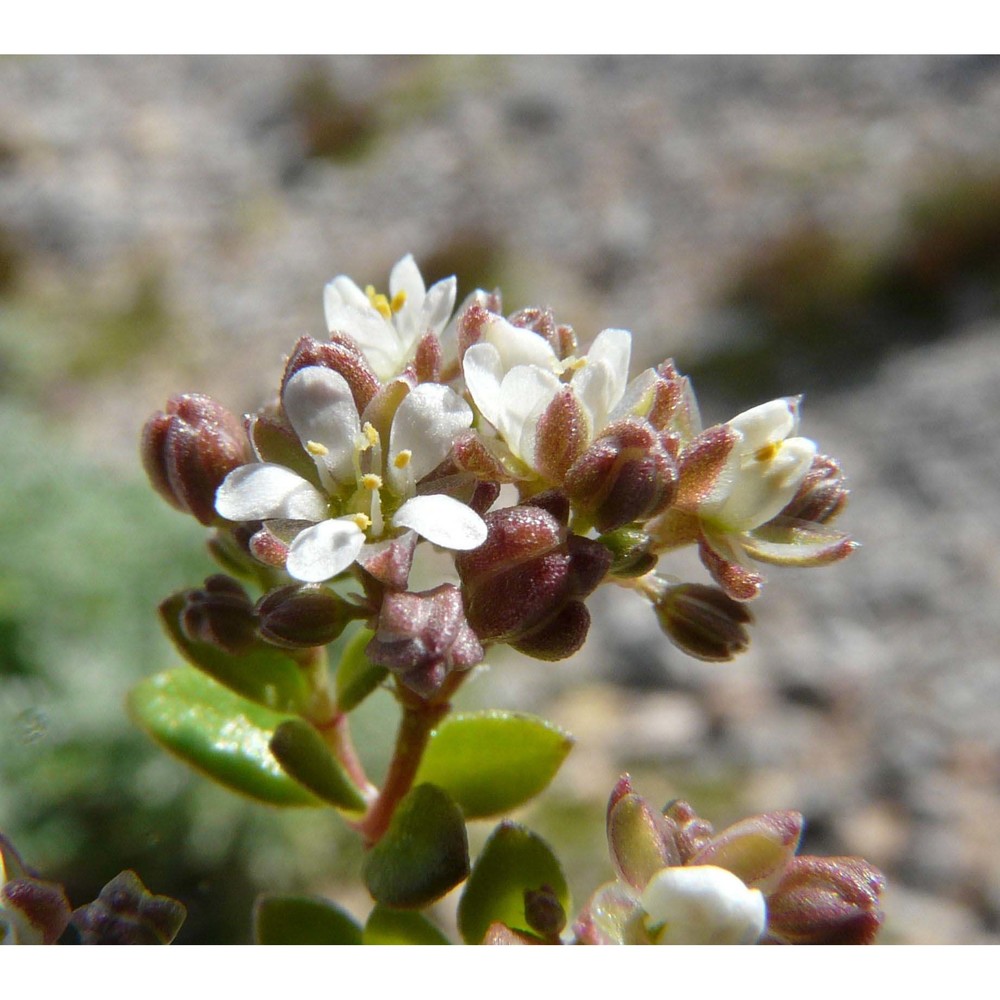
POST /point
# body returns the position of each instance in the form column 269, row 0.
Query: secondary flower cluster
column 396, row 436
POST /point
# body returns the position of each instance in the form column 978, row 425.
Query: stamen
column 768, row 452
column 316, row 449
column 379, row 302
column 372, row 435
column 363, row 521
column 402, row 460
column 398, row 301
column 371, row 482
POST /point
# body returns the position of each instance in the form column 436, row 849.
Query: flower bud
column 693, row 832
column 525, row 582
column 303, row 616
column 424, row 637
column 826, row 901
column 126, row 912
column 220, row 613
column 642, row 840
column 32, row 910
column 543, row 911
column 188, row 450
column 822, row 495
column 625, row 475
column 703, row 621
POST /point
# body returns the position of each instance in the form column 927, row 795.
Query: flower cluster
column 392, row 438
column 680, row 882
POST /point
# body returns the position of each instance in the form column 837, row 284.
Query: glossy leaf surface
column 492, row 762
column 424, row 853
column 387, row 926
column 302, row 920
column 513, row 859
column 217, row 732
column 304, row 756
column 266, row 676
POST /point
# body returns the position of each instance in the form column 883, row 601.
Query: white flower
column 514, row 374
column 389, row 328
column 702, row 904
column 763, row 471
column 360, row 482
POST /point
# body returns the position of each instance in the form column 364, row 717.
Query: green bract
column 490, row 762
column 304, row 756
column 387, row 926
column 218, row 732
column 424, row 853
column 357, row 677
column 513, row 860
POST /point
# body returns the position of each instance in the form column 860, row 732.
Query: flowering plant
column 429, row 483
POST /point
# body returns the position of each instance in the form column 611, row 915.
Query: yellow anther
column 379, row 302
column 363, row 521
column 398, row 301
column 372, row 435
column 575, row 364
column 371, row 482
column 317, row 449
column 402, row 460
column 768, row 452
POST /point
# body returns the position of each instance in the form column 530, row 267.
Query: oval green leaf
column 387, row 926
column 217, row 732
column 266, row 676
column 356, row 676
column 302, row 920
column 491, row 762
column 513, row 859
column 304, row 756
column 424, row 853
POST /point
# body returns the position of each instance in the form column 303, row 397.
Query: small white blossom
column 513, row 375
column 389, row 328
column 361, row 482
column 702, row 904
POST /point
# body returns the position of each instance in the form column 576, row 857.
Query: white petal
column 768, row 423
column 426, row 424
column 405, row 277
column 614, row 347
column 438, row 306
column 322, row 410
column 483, row 374
column 341, row 291
column 324, row 550
column 703, row 904
column 524, row 394
column 517, row 346
column 262, row 491
column 442, row 520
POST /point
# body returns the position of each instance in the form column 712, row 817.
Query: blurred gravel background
column 778, row 225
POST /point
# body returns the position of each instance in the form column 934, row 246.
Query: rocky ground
column 168, row 224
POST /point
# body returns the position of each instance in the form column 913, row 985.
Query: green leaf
column 266, row 676
column 490, row 762
column 424, row 853
column 513, row 859
column 304, row 756
column 302, row 920
column 217, row 732
column 387, row 926
column 356, row 675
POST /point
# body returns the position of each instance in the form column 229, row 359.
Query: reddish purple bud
column 427, row 361
column 543, row 911
column 303, row 616
column 822, row 495
column 220, row 613
column 188, row 450
column 126, row 912
column 423, row 637
column 826, row 901
column 339, row 354
column 560, row 337
column 626, row 475
column 704, row 621
column 525, row 582
column 642, row 840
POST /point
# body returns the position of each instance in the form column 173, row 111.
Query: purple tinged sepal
column 189, row 449
column 341, row 355
column 33, row 910
column 704, row 621
column 822, row 495
column 693, row 832
column 641, row 839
